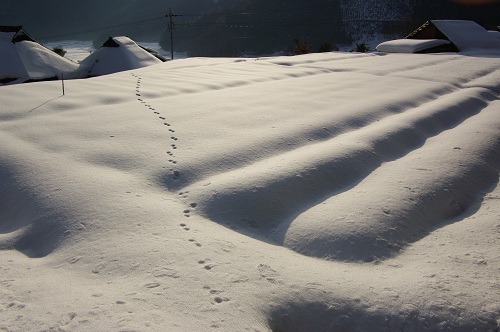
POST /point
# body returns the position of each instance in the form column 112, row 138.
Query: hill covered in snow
column 333, row 191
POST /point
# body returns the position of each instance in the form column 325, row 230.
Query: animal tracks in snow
column 174, row 172
column 332, row 184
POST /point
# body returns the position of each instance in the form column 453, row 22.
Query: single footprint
column 188, row 211
column 195, row 242
column 152, row 285
column 219, row 299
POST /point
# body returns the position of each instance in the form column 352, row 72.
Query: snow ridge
column 320, row 192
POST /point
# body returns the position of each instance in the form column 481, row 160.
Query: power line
column 232, row 25
column 258, row 13
column 104, row 28
column 171, row 27
column 278, row 24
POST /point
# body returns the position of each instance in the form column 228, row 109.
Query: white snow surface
column 332, row 191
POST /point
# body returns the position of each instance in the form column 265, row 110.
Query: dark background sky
column 232, row 27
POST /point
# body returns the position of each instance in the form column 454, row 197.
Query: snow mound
column 117, row 54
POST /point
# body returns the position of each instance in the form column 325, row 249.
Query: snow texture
column 332, row 191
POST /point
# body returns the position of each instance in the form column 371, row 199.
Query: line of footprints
column 175, row 173
column 175, row 176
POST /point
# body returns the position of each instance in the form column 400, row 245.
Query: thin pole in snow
column 62, row 80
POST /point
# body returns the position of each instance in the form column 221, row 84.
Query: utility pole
column 171, row 27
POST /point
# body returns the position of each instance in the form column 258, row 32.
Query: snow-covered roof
column 410, row 45
column 24, row 60
column 444, row 36
column 117, row 54
column 467, row 34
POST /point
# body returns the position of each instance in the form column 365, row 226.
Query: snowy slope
column 333, row 191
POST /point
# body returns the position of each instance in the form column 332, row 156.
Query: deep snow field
column 324, row 192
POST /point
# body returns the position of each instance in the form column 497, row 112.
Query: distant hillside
column 236, row 27
column 263, row 27
column 267, row 27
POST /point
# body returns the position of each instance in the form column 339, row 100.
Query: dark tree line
column 235, row 27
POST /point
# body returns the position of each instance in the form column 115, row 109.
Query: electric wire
column 229, row 25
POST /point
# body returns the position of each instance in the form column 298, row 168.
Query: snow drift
column 317, row 192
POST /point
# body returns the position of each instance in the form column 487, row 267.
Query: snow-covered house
column 443, row 36
column 25, row 60
column 115, row 55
